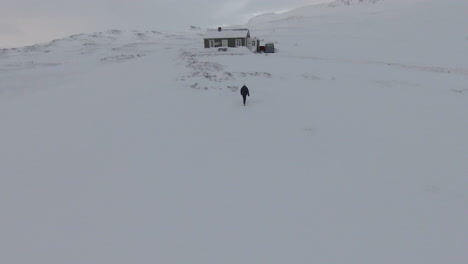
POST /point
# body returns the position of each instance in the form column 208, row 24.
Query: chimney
column 219, row 29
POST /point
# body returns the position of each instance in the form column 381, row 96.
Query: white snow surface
column 134, row 146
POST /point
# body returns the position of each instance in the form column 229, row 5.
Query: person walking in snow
column 244, row 92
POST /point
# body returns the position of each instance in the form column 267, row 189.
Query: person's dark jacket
column 244, row 91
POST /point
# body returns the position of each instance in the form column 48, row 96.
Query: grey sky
column 24, row 22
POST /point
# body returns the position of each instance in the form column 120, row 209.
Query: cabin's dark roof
column 227, row 33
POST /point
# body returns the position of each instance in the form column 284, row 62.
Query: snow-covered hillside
column 134, row 146
column 309, row 10
column 352, row 2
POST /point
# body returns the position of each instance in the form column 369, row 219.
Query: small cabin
column 232, row 38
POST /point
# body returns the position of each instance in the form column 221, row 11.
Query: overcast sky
column 25, row 22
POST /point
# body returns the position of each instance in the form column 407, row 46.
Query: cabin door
column 225, row 43
column 211, row 43
column 238, row 42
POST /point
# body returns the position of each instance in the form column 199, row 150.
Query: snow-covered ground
column 134, row 147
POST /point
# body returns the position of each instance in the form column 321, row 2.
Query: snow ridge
column 351, row 2
column 105, row 47
column 307, row 11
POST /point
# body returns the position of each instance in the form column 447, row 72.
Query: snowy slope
column 134, row 147
column 310, row 10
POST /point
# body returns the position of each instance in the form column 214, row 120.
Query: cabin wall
column 231, row 42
